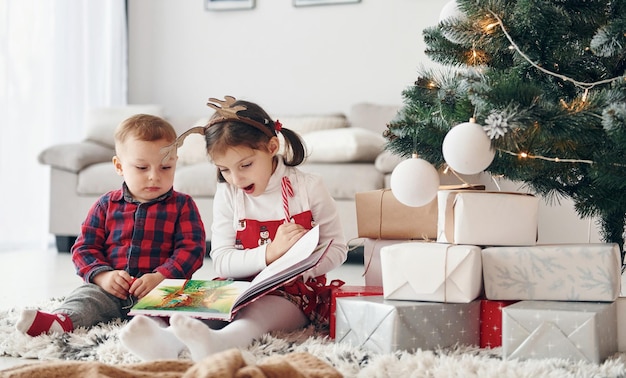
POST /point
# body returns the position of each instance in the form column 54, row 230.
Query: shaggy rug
column 100, row 343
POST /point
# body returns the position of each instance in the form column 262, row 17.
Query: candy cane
column 287, row 191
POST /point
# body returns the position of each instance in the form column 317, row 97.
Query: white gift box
column 621, row 323
column 577, row 331
column 478, row 217
column 568, row 272
column 371, row 259
column 432, row 272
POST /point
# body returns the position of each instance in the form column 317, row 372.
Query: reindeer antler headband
column 227, row 111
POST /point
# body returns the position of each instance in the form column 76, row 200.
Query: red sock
column 43, row 322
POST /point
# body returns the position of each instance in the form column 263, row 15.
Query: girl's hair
column 145, row 127
column 220, row 136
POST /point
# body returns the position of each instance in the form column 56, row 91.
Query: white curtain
column 58, row 58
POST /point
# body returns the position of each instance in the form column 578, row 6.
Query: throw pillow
column 193, row 150
column 307, row 124
column 350, row 144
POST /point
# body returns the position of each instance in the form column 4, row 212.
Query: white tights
column 150, row 340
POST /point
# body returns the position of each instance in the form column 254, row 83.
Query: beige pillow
column 307, row 124
column 102, row 122
column 193, row 150
column 387, row 161
column 350, row 144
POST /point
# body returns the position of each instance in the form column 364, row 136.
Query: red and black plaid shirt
column 165, row 235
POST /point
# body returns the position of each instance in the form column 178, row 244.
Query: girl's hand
column 144, row 284
column 114, row 282
column 286, row 236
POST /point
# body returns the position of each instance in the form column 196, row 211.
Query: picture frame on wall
column 214, row 5
column 306, row 3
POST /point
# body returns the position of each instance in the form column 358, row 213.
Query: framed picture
column 212, row 5
column 306, row 3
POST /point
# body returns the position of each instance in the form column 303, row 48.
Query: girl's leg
column 268, row 313
column 149, row 339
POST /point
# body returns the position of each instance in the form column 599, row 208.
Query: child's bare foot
column 149, row 340
column 35, row 322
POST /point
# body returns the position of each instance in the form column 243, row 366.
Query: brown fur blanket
column 230, row 363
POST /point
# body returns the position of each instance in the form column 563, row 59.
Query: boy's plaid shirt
column 165, row 235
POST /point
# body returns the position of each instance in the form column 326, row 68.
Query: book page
column 298, row 252
column 199, row 298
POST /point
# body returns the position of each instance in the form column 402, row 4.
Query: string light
column 526, row 155
column 577, row 83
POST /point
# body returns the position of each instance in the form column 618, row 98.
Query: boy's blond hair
column 144, row 127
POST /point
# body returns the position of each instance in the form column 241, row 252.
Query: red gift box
column 349, row 291
column 491, row 322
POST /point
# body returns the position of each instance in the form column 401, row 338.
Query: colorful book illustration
column 221, row 299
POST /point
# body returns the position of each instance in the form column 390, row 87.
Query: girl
column 263, row 205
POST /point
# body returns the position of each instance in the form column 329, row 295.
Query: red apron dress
column 312, row 296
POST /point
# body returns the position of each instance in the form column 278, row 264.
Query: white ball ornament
column 451, row 9
column 414, row 182
column 467, row 148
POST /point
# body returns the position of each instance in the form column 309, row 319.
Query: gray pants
column 89, row 305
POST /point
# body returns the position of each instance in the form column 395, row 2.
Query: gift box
column 491, row 322
column 432, row 272
column 568, row 272
column 620, row 304
column 577, row 331
column 487, row 218
column 348, row 291
column 384, row 326
column 371, row 259
column 381, row 216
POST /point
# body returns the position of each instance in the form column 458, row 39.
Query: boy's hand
column 114, row 282
column 143, row 285
column 287, row 235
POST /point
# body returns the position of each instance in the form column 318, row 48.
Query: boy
column 133, row 238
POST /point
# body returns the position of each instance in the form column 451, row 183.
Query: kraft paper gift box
column 568, row 272
column 577, row 331
column 487, row 218
column 348, row 291
column 491, row 322
column 384, row 326
column 381, row 216
column 371, row 259
column 433, row 272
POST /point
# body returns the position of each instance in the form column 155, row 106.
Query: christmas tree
column 546, row 81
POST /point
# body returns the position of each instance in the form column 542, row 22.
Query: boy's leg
column 86, row 306
column 266, row 314
column 149, row 340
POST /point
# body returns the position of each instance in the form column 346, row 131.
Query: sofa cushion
column 98, row 179
column 373, row 117
column 197, row 180
column 351, row 144
column 345, row 180
column 75, row 156
column 102, row 122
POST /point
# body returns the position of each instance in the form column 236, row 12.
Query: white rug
column 100, row 343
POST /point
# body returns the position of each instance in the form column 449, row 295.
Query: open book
column 221, row 299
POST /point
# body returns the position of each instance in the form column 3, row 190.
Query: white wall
column 294, row 60
column 289, row 60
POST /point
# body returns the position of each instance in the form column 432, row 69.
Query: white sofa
column 346, row 150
